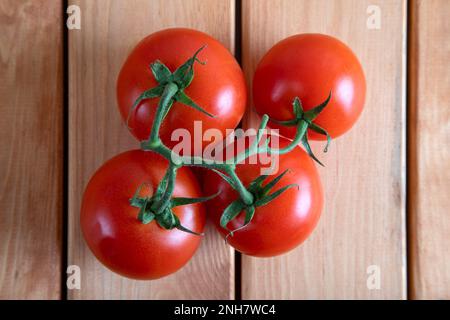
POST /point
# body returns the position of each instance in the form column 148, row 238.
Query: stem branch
column 162, row 204
column 246, row 195
column 164, row 104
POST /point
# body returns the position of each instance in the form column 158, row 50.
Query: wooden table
column 387, row 182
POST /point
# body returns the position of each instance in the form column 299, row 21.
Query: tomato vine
column 159, row 206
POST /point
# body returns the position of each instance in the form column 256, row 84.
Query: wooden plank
column 31, row 123
column 363, row 222
column 429, row 157
column 110, row 29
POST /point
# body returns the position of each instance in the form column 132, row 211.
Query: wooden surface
column 110, row 29
column 31, row 157
column 429, row 170
column 363, row 222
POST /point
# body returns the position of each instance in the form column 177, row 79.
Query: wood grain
column 429, row 138
column 110, row 29
column 363, row 222
column 31, row 157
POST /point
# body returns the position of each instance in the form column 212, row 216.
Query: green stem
column 246, row 195
column 301, row 131
column 162, row 204
column 164, row 104
column 254, row 147
column 194, row 161
column 175, row 160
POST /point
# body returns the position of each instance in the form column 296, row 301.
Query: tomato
column 218, row 86
column 280, row 225
column 310, row 66
column 111, row 228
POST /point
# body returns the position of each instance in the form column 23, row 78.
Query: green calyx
column 171, row 85
column 262, row 195
column 305, row 119
column 150, row 208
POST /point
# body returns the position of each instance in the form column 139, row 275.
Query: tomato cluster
column 143, row 211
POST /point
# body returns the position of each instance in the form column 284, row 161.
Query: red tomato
column 115, row 235
column 280, row 225
column 218, row 87
column 310, row 66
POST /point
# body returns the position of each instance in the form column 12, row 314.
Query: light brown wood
column 31, row 109
column 429, row 138
column 109, row 30
column 363, row 222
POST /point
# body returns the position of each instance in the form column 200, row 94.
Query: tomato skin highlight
column 111, row 228
column 310, row 66
column 280, row 225
column 218, row 87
